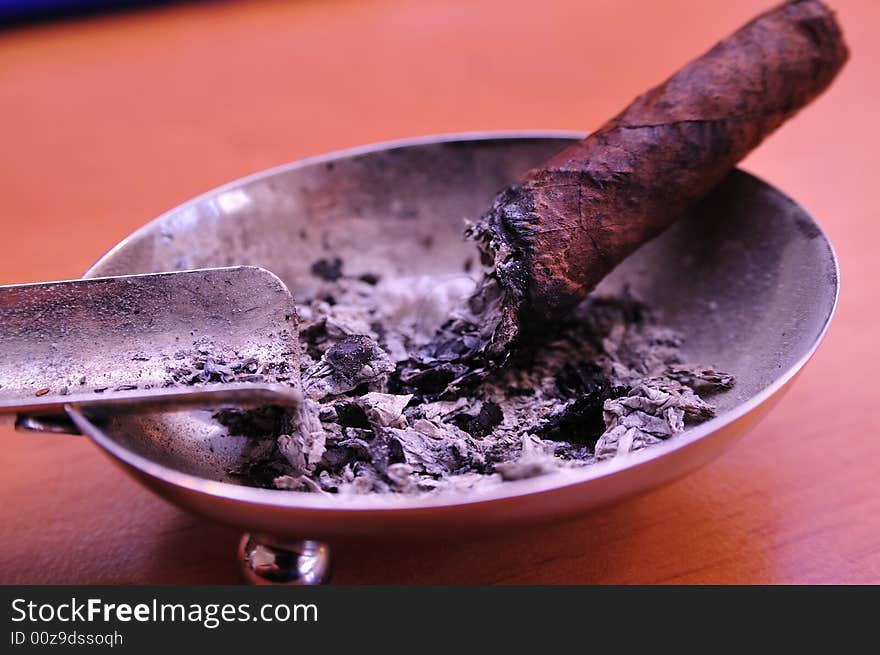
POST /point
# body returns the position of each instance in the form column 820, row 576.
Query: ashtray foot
column 268, row 561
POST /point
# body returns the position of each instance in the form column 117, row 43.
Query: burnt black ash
column 329, row 270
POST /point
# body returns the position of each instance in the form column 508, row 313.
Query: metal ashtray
column 748, row 278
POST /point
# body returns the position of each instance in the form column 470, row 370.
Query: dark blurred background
column 20, row 12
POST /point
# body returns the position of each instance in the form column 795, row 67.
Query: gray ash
column 204, row 364
column 392, row 409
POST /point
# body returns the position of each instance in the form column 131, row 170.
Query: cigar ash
column 390, row 409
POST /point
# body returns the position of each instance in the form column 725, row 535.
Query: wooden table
column 107, row 122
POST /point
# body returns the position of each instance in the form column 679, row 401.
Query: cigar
column 554, row 236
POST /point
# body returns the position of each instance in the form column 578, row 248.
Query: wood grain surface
column 107, row 122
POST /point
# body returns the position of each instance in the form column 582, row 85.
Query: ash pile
column 387, row 412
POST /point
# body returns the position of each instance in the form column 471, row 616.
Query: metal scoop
column 144, row 342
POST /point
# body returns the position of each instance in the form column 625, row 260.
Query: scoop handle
column 51, row 415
